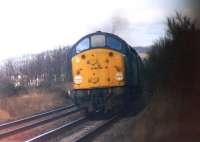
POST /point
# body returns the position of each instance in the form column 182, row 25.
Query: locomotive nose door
column 102, row 68
column 93, row 69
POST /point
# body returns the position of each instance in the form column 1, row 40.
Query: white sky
column 32, row 26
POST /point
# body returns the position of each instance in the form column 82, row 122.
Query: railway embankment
column 30, row 102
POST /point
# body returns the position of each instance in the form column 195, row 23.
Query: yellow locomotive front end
column 98, row 68
column 98, row 72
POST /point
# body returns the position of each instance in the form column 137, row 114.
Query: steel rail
column 37, row 123
column 83, row 138
column 56, row 130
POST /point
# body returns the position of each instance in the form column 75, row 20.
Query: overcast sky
column 32, row 26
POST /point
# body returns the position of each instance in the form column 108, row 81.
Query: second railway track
column 17, row 126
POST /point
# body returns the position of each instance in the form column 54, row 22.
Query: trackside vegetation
column 174, row 59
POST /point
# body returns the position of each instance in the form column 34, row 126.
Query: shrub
column 174, row 59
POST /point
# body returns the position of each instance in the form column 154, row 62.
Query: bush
column 174, row 59
column 6, row 87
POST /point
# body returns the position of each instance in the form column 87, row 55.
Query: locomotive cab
column 100, row 66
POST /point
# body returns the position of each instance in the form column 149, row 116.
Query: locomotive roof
column 111, row 41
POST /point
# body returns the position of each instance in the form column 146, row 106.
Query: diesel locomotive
column 105, row 73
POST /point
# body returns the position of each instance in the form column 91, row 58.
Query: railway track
column 80, row 130
column 17, row 126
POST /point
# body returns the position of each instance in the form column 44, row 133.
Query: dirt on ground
column 30, row 102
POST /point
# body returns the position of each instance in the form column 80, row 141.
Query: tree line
column 44, row 69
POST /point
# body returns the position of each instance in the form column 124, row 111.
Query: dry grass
column 30, row 102
column 158, row 122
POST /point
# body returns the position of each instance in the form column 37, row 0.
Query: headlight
column 78, row 79
column 119, row 76
column 78, row 60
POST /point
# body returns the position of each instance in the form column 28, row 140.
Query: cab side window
column 82, row 45
column 113, row 43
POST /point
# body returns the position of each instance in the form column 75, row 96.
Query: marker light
column 78, row 79
column 119, row 76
